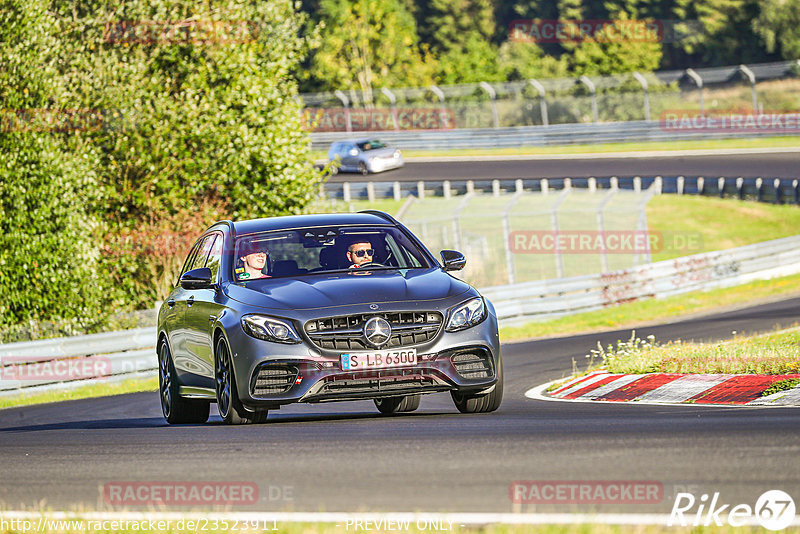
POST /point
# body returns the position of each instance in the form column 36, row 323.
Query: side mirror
column 197, row 279
column 453, row 260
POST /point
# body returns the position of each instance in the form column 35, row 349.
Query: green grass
column 718, row 224
column 781, row 385
column 95, row 390
column 709, row 144
column 646, row 311
column 775, row 353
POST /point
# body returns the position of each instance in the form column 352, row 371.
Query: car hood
column 347, row 288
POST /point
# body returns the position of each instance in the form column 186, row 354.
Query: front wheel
column 175, row 408
column 362, row 168
column 228, row 404
column 481, row 403
column 389, row 405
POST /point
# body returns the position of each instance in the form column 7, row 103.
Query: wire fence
column 768, row 87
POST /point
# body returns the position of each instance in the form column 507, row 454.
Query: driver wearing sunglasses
column 360, row 253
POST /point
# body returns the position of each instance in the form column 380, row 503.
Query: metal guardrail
column 519, row 136
column 710, row 270
column 64, row 363
column 131, row 353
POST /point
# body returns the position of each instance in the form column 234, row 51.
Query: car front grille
column 274, row 380
column 472, row 364
column 346, row 332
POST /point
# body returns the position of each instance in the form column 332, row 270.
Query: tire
column 362, row 168
column 176, row 409
column 481, row 403
column 228, row 403
column 389, row 405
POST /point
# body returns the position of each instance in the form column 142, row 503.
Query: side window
column 215, row 256
column 188, row 263
column 202, row 252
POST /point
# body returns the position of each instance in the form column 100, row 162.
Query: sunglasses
column 361, row 253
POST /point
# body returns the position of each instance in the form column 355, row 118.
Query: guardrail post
column 470, row 187
column 721, row 186
column 637, row 184
column 542, row 100
column 659, row 185
column 701, row 186
column 778, row 191
column 393, row 101
column 446, row 189
column 420, row 190
column 440, row 95
column 371, row 191
column 519, row 185
column 493, row 97
column 396, row 190
column 643, row 82
column 545, row 183
column 796, row 187
column 346, row 103
column 751, row 77
column 567, row 183
column 496, row 188
column 759, row 189
column 593, row 91
column 740, row 188
column 699, row 82
column 680, row 184
column 346, row 191
column 614, row 182
column 592, row 184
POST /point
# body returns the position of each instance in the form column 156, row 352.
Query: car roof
column 301, row 221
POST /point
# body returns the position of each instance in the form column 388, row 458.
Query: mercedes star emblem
column 377, row 331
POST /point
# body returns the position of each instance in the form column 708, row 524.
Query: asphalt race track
column 768, row 165
column 346, row 457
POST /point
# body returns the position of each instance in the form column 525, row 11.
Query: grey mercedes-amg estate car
column 318, row 308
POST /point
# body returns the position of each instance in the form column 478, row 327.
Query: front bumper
column 270, row 375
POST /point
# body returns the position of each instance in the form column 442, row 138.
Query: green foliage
column 196, row 123
column 368, row 44
column 615, row 55
column 778, row 24
column 48, row 256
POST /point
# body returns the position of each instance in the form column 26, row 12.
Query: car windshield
column 371, row 145
column 302, row 251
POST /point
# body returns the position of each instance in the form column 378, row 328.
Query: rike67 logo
column 774, row 510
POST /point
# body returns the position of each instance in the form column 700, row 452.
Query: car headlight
column 465, row 315
column 269, row 329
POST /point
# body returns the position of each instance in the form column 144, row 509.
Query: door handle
column 212, row 318
column 171, row 303
column 190, row 301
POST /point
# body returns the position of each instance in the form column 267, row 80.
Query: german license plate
column 378, row 359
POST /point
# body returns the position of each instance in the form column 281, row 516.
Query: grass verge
column 708, row 144
column 775, row 353
column 133, row 385
column 648, row 311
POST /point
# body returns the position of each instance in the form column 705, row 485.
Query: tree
column 460, row 34
column 48, row 252
column 368, row 44
column 778, row 24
